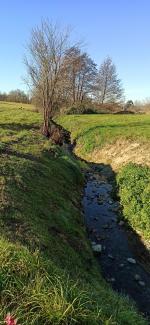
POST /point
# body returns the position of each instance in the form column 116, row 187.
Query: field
column 48, row 273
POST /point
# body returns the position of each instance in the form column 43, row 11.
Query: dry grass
column 121, row 153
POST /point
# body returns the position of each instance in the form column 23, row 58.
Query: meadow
column 48, row 273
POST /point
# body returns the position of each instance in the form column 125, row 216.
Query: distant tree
column 3, row 97
column 79, row 75
column 108, row 86
column 17, row 96
column 44, row 62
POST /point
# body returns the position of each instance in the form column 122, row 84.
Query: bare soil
column 122, row 152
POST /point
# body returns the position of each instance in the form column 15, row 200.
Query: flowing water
column 101, row 217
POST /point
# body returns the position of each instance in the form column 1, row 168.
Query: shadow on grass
column 19, row 126
column 10, row 152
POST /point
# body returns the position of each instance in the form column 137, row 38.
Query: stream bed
column 118, row 264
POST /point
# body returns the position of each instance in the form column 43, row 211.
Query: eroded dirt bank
column 120, row 153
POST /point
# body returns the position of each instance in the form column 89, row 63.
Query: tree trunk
column 45, row 128
column 58, row 134
column 54, row 131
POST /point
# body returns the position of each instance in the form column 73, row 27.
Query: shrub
column 134, row 190
column 80, row 109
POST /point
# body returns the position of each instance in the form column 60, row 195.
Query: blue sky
column 118, row 28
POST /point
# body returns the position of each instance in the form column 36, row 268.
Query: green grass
column 48, row 273
column 95, row 131
column 134, row 190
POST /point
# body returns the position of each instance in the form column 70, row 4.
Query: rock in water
column 111, row 280
column 97, row 248
column 111, row 256
column 142, row 283
column 131, row 260
column 137, row 277
column 121, row 265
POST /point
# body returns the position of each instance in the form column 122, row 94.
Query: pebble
column 111, row 256
column 117, row 204
column 137, row 277
column 142, row 283
column 131, row 260
column 97, row 248
column 112, row 280
column 121, row 265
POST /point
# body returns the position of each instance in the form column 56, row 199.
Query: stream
column 119, row 264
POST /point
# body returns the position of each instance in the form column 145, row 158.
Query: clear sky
column 118, row 28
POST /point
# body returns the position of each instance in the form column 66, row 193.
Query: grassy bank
column 48, row 274
column 94, row 132
column 134, row 190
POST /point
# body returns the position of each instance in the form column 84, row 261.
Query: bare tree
column 108, row 86
column 18, row 96
column 80, row 73
column 44, row 63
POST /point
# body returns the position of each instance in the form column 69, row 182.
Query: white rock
column 97, row 248
column 121, row 265
column 142, row 283
column 131, row 260
column 111, row 256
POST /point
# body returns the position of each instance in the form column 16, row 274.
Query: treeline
column 81, row 83
column 18, row 96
